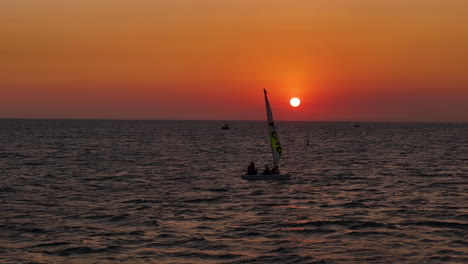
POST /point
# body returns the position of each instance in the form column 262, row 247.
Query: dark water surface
column 96, row 191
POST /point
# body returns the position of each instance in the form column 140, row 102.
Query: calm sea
column 99, row 191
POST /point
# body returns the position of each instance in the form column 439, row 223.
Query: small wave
column 280, row 258
column 34, row 230
column 218, row 190
column 82, row 250
column 367, row 234
column 363, row 225
column 208, row 218
column 13, row 155
column 203, row 200
column 7, row 189
column 203, row 255
column 257, row 192
column 442, row 258
column 32, row 163
column 273, row 204
column 23, row 228
column 309, row 231
column 282, row 250
column 451, row 256
column 136, row 233
column 112, row 218
column 140, row 201
column 118, row 218
column 54, row 244
column 165, row 235
column 250, row 234
column 355, row 204
column 459, row 243
column 153, row 222
column 438, row 224
column 344, row 223
column 199, row 242
column 448, row 252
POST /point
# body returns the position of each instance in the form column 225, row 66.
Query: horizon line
column 224, row 120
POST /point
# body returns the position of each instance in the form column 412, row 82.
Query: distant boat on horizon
column 276, row 150
column 225, row 127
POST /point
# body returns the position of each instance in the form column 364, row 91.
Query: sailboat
column 276, row 149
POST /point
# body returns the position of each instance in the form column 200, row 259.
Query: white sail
column 275, row 144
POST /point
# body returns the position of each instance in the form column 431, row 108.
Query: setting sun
column 295, row 102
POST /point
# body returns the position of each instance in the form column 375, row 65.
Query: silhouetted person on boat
column 275, row 170
column 251, row 169
column 267, row 170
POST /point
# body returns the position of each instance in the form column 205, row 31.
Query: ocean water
column 100, row 191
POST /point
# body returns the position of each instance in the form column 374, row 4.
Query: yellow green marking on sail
column 275, row 143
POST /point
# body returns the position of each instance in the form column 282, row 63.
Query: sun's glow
column 295, row 102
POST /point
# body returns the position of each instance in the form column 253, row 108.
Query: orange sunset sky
column 353, row 60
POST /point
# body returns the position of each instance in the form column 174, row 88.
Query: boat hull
column 267, row 177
